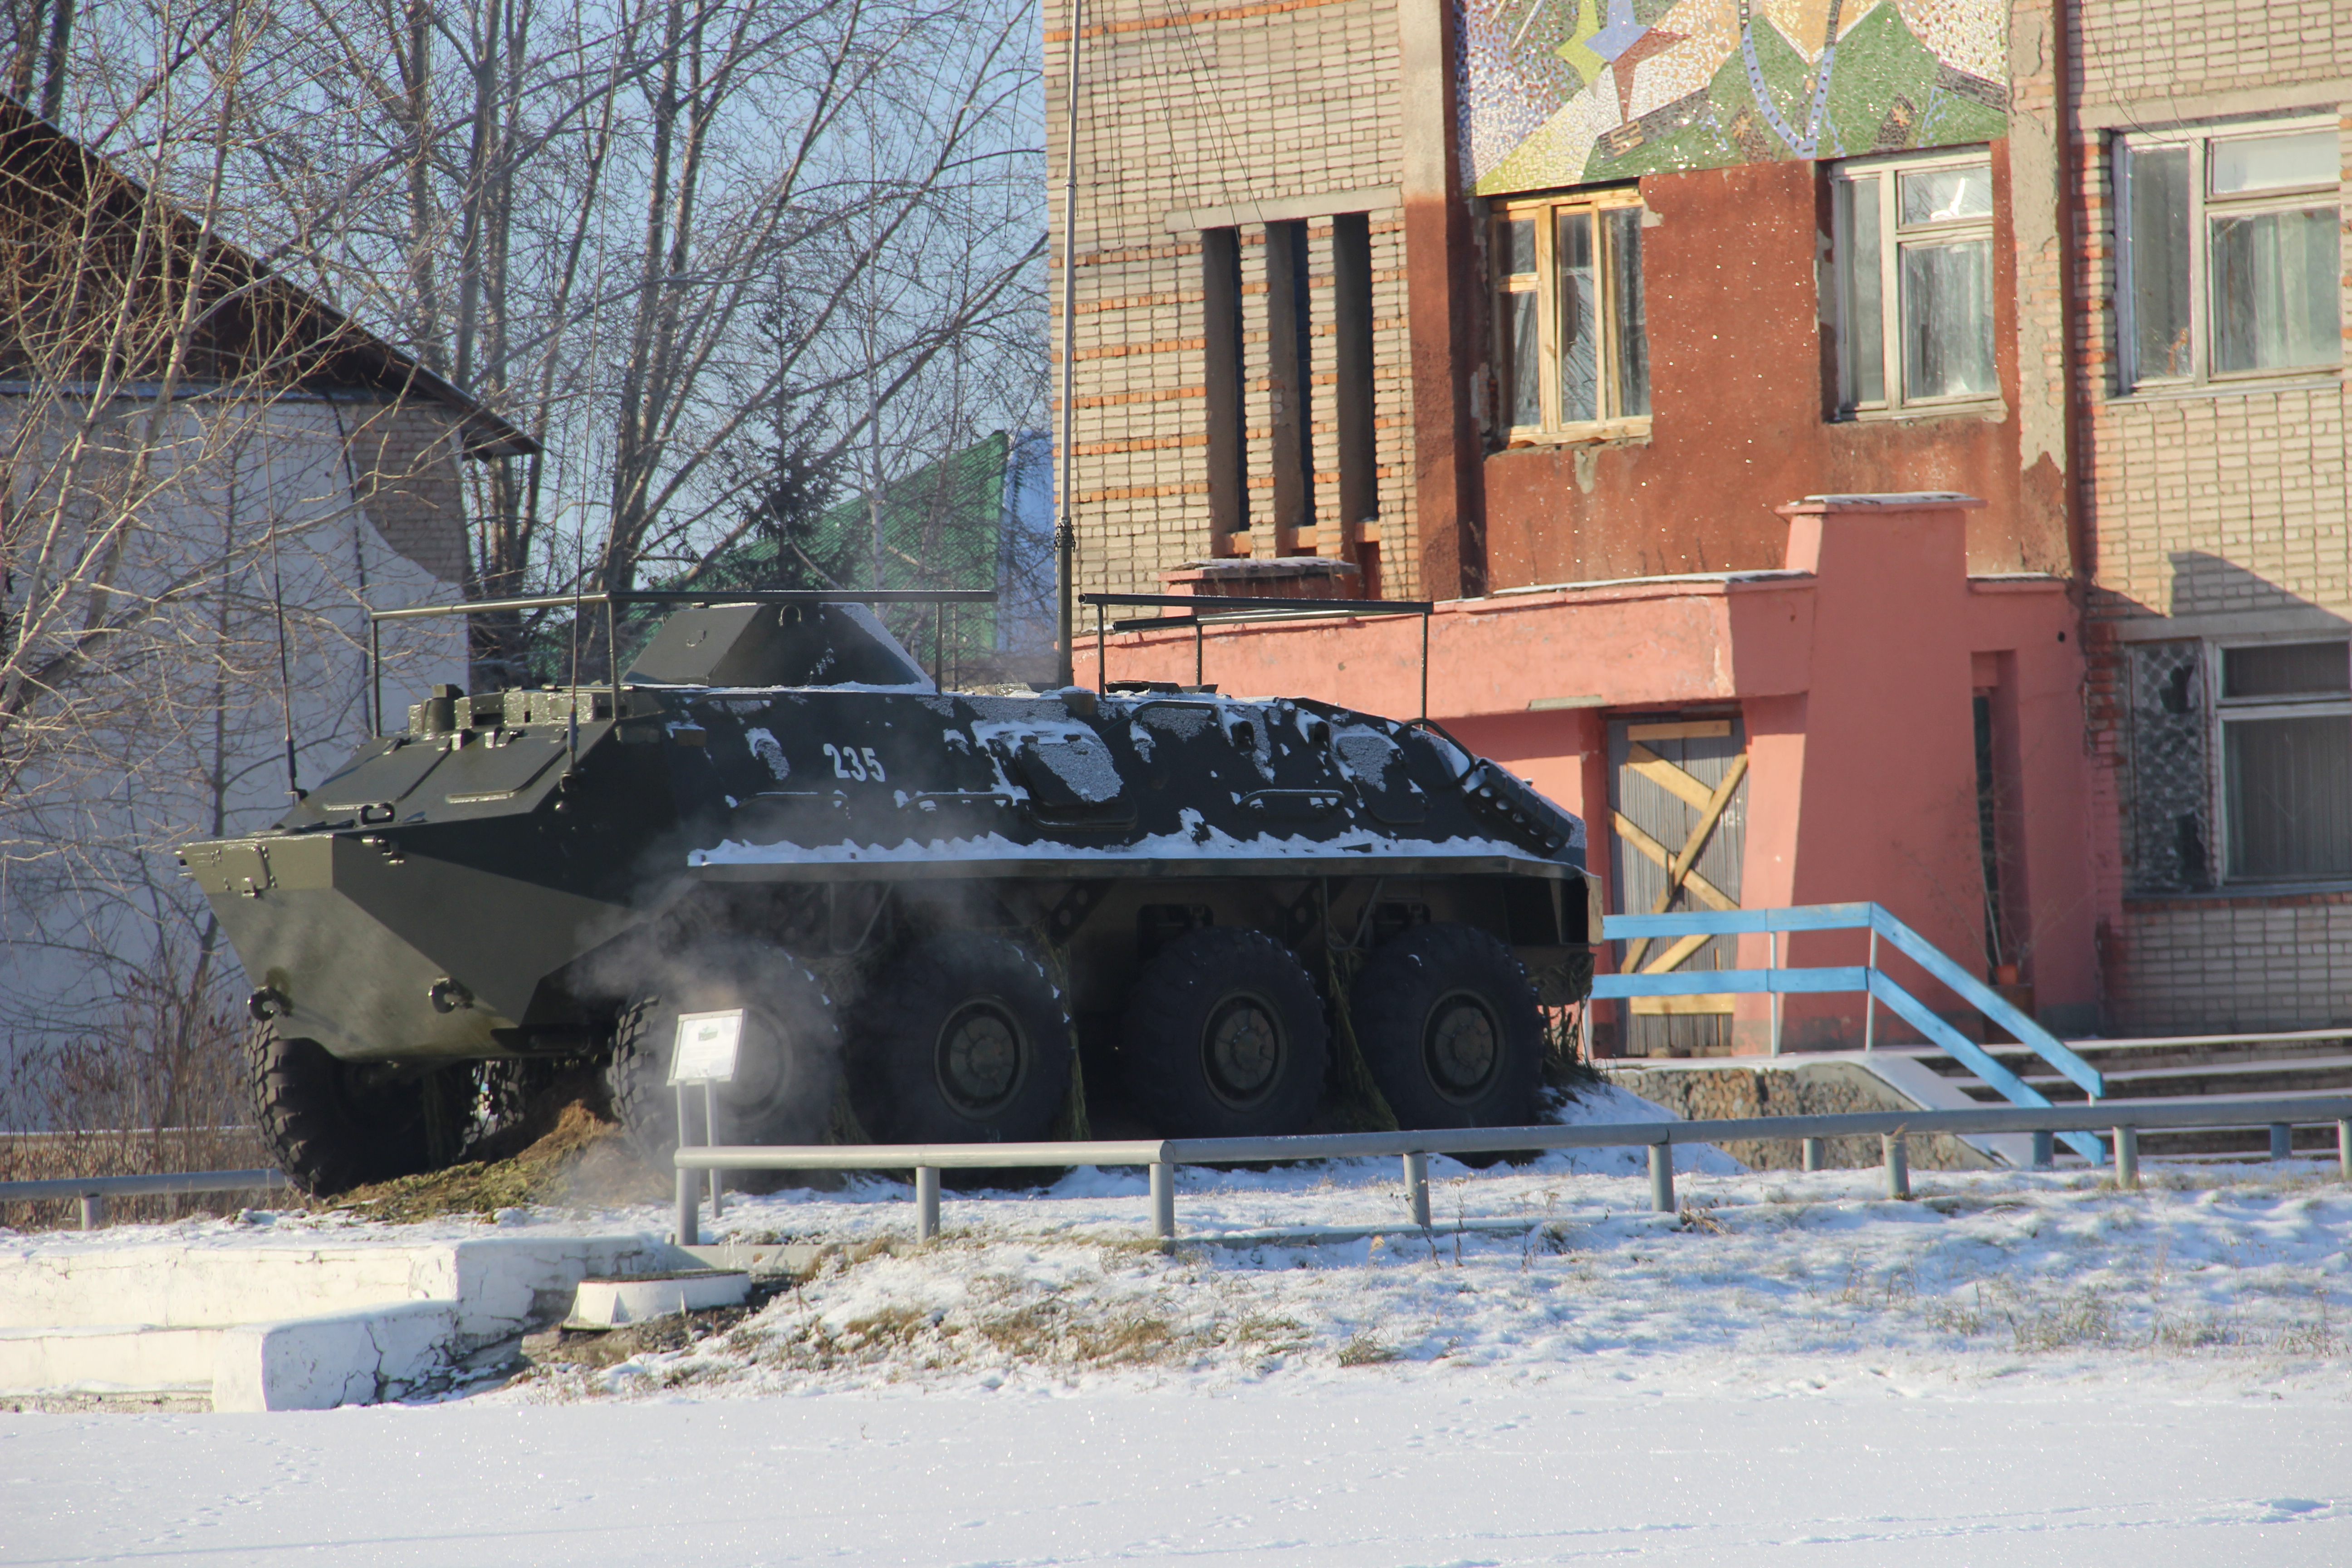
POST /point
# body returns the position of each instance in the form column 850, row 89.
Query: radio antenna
column 572, row 724
column 285, row 667
column 1066, row 536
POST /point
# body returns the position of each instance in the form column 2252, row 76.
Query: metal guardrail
column 1868, row 978
column 2123, row 1118
column 93, row 1191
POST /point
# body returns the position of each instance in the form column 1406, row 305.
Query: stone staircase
column 2217, row 1068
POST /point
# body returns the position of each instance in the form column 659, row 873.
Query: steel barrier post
column 2282, row 1139
column 1898, row 1164
column 927, row 1203
column 93, row 1211
column 710, row 1135
column 2045, row 1150
column 1163, row 1200
column 1815, row 1158
column 689, row 1223
column 1416, row 1187
column 1662, row 1177
column 2127, row 1158
column 2344, row 1147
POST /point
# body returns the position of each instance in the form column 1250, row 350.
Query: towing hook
column 448, row 995
column 266, row 1004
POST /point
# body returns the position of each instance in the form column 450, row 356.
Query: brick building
column 1547, row 311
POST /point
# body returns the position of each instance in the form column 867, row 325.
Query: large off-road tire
column 1224, row 1037
column 788, row 1067
column 960, row 1040
column 334, row 1125
column 1449, row 1028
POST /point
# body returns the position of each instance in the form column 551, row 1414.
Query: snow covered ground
column 1382, row 1470
column 2013, row 1367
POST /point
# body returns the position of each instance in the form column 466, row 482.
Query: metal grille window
column 2228, row 260
column 2285, row 717
column 1914, row 277
column 2172, row 803
column 1574, row 352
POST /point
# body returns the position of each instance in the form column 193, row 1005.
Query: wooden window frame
column 2202, row 208
column 1885, row 175
column 1545, row 284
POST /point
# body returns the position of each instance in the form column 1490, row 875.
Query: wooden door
column 1678, row 809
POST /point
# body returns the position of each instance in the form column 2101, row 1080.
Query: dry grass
column 137, row 1151
column 1701, row 1216
column 581, row 1161
column 152, row 1085
column 1363, row 1349
column 591, row 1350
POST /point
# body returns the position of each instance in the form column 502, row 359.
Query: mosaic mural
column 1565, row 92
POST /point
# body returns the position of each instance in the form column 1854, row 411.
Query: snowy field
column 2012, row 1368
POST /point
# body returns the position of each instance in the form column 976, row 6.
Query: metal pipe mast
column 1066, row 539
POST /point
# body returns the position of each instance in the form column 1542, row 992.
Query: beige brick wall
column 404, row 463
column 2132, row 51
column 1208, row 108
column 2210, row 503
column 2220, row 503
column 2192, row 966
column 2205, row 500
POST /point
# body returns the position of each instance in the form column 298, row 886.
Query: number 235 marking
column 850, row 762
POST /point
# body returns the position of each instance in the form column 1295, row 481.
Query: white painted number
column 849, row 762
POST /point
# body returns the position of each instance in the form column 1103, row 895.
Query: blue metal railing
column 1868, row 978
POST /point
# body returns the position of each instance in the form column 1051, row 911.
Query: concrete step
column 108, row 1360
column 2313, row 1076
column 1924, row 1077
column 2310, row 1062
column 290, row 1320
column 2151, row 1054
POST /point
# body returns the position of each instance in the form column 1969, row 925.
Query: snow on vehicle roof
column 1198, row 840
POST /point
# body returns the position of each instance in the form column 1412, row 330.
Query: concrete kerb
column 293, row 1325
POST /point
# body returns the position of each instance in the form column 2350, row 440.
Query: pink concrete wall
column 1879, row 763
column 1854, row 666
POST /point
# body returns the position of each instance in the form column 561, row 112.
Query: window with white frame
column 2284, row 714
column 2228, row 253
column 1574, row 351
column 1912, row 249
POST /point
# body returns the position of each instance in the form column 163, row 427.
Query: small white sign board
column 706, row 1046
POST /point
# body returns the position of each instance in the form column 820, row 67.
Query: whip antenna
column 285, row 669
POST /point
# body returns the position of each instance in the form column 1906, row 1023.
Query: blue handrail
column 1858, row 977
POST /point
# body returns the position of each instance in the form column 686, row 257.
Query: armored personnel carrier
column 932, row 908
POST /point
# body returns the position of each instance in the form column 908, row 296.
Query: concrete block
column 341, row 1358
column 609, row 1303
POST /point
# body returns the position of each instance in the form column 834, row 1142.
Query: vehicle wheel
column 960, row 1040
column 1448, row 1025
column 334, row 1125
column 1224, row 1037
column 788, row 1060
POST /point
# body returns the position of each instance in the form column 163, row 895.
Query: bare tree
column 179, row 547
column 632, row 226
column 636, row 228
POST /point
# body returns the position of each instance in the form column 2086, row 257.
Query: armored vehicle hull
column 932, row 908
